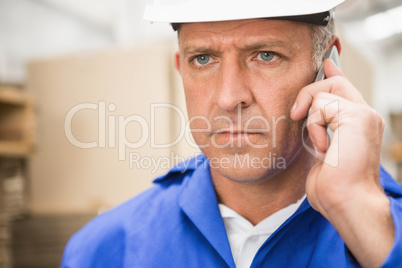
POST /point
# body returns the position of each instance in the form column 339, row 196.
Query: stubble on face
column 239, row 102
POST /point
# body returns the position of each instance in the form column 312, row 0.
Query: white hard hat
column 182, row 11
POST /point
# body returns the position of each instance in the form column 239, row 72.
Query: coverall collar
column 199, row 202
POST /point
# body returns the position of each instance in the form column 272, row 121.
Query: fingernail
column 294, row 107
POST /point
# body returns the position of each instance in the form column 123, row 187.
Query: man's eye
column 202, row 60
column 266, row 56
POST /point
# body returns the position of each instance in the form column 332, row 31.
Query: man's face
column 241, row 79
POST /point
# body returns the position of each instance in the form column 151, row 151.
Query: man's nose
column 233, row 88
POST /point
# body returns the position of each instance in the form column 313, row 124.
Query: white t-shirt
column 244, row 238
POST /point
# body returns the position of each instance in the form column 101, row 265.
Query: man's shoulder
column 138, row 217
column 102, row 239
column 163, row 193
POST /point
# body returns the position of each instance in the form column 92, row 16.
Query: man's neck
column 257, row 201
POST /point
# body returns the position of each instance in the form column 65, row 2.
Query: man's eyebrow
column 265, row 45
column 193, row 50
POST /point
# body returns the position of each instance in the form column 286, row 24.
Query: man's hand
column 348, row 194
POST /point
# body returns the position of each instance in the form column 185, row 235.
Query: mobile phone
column 333, row 54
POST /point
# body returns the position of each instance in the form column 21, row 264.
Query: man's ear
column 335, row 42
column 177, row 62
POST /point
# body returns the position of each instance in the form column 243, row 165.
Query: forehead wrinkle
column 214, row 34
column 213, row 45
column 215, row 26
column 202, row 42
column 206, row 37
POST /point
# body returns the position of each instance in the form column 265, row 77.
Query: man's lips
column 235, row 138
column 222, row 136
column 235, row 132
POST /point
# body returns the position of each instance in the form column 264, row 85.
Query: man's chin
column 248, row 169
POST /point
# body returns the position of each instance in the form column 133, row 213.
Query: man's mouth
column 233, row 138
column 235, row 132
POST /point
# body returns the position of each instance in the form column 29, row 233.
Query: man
column 258, row 196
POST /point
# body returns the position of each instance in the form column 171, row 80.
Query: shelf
column 15, row 149
column 17, row 122
column 13, row 95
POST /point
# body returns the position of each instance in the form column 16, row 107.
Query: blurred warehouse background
column 89, row 101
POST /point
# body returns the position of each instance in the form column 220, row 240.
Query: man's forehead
column 244, row 32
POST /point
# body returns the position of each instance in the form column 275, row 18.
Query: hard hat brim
column 191, row 11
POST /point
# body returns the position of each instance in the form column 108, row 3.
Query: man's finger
column 335, row 84
column 331, row 69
